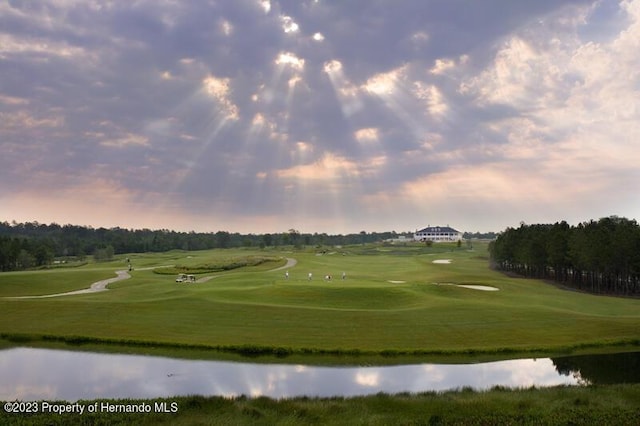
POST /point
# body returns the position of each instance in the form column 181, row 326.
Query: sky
column 258, row 116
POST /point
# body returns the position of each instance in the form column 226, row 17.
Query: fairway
column 405, row 298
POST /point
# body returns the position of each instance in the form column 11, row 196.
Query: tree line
column 597, row 256
column 33, row 244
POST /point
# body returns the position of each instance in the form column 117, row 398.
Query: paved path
column 123, row 275
column 205, row 279
column 95, row 287
column 291, row 262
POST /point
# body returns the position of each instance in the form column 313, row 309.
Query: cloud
column 327, row 114
column 218, row 89
column 331, row 168
column 124, row 140
column 368, row 134
column 22, row 120
column 563, row 90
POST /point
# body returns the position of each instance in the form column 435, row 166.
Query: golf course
column 366, row 304
column 375, row 300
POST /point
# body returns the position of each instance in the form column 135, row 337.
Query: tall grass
column 599, row 405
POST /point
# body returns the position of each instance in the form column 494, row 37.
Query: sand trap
column 442, row 261
column 397, row 282
column 479, row 287
column 472, row 286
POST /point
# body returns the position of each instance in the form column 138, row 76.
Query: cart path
column 123, row 275
column 95, row 287
column 291, row 262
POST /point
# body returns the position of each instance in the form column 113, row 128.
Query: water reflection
column 601, row 369
column 34, row 374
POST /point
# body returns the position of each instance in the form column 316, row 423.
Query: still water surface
column 35, row 374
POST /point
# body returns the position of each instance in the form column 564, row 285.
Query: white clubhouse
column 437, row 234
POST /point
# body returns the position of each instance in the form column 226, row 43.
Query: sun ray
column 203, row 114
column 346, row 92
column 367, row 139
column 397, row 97
column 217, row 121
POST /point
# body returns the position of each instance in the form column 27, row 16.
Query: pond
column 45, row 374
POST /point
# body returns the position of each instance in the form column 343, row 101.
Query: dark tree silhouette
column 597, row 256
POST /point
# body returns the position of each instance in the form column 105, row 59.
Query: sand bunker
column 442, row 261
column 478, row 287
column 397, row 282
column 472, row 286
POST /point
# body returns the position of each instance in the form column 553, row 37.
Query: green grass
column 225, row 264
column 596, row 405
column 366, row 313
column 59, row 280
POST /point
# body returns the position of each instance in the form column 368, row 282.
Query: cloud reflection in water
column 34, row 374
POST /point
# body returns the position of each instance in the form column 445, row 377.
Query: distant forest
column 33, row 244
column 597, row 256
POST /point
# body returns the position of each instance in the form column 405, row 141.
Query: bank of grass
column 594, row 405
column 303, row 356
column 255, row 263
column 390, row 304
